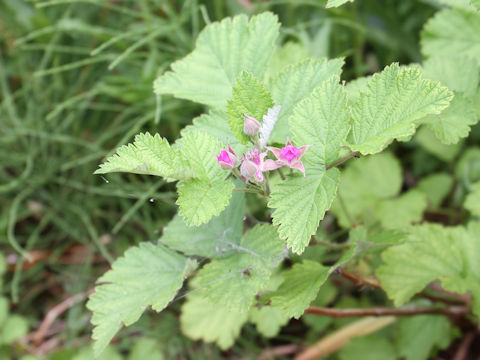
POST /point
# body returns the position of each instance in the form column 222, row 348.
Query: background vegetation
column 76, row 82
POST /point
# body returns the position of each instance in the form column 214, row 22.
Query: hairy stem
column 342, row 160
column 453, row 311
column 253, row 191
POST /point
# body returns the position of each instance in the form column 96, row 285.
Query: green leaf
column 355, row 87
column 268, row 320
column 468, row 167
column 398, row 213
column 472, row 201
column 436, row 187
column 299, row 288
column 364, row 183
column 454, row 122
column 222, row 51
column 432, row 144
column 322, row 121
column 296, row 83
column 289, row 54
column 147, row 275
column 452, row 31
column 462, row 4
column 418, row 335
column 215, row 124
column 87, row 353
column 370, row 347
column 199, row 149
column 432, row 252
column 394, row 99
column 336, row 3
column 250, row 97
column 210, row 240
column 202, row 319
column 149, row 155
column 146, row 349
column 201, row 199
column 458, row 73
column 300, row 203
column 233, row 281
column 14, row 328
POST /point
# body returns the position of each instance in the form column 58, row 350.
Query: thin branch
column 253, row 191
column 343, row 159
column 55, row 312
column 375, row 283
column 453, row 311
column 370, row 281
column 462, row 351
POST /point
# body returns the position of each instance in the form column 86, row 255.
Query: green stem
column 343, row 159
column 281, row 173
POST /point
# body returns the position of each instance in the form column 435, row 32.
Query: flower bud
column 227, row 159
column 250, row 125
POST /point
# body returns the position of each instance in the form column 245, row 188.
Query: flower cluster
column 254, row 163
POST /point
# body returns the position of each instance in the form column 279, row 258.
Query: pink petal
column 276, row 151
column 299, row 166
column 302, row 150
column 269, row 165
column 288, row 142
column 259, row 175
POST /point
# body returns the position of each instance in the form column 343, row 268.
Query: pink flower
column 250, row 125
column 290, row 155
column 227, row 159
column 254, row 164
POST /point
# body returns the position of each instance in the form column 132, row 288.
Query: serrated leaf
column 472, row 201
column 432, row 252
column 268, row 320
column 394, row 99
column 452, row 31
column 149, row 155
column 300, row 203
column 407, row 209
column 234, row 280
column 296, row 83
column 436, row 187
column 215, row 124
column 214, row 239
column 337, row 3
column 147, row 275
column 299, row 288
column 322, row 121
column 418, row 335
column 200, row 200
column 462, row 4
column 454, row 122
column 355, row 87
column 458, row 73
column 432, row 144
column 199, row 149
column 364, row 183
column 222, row 51
column 250, row 97
column 202, row 319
